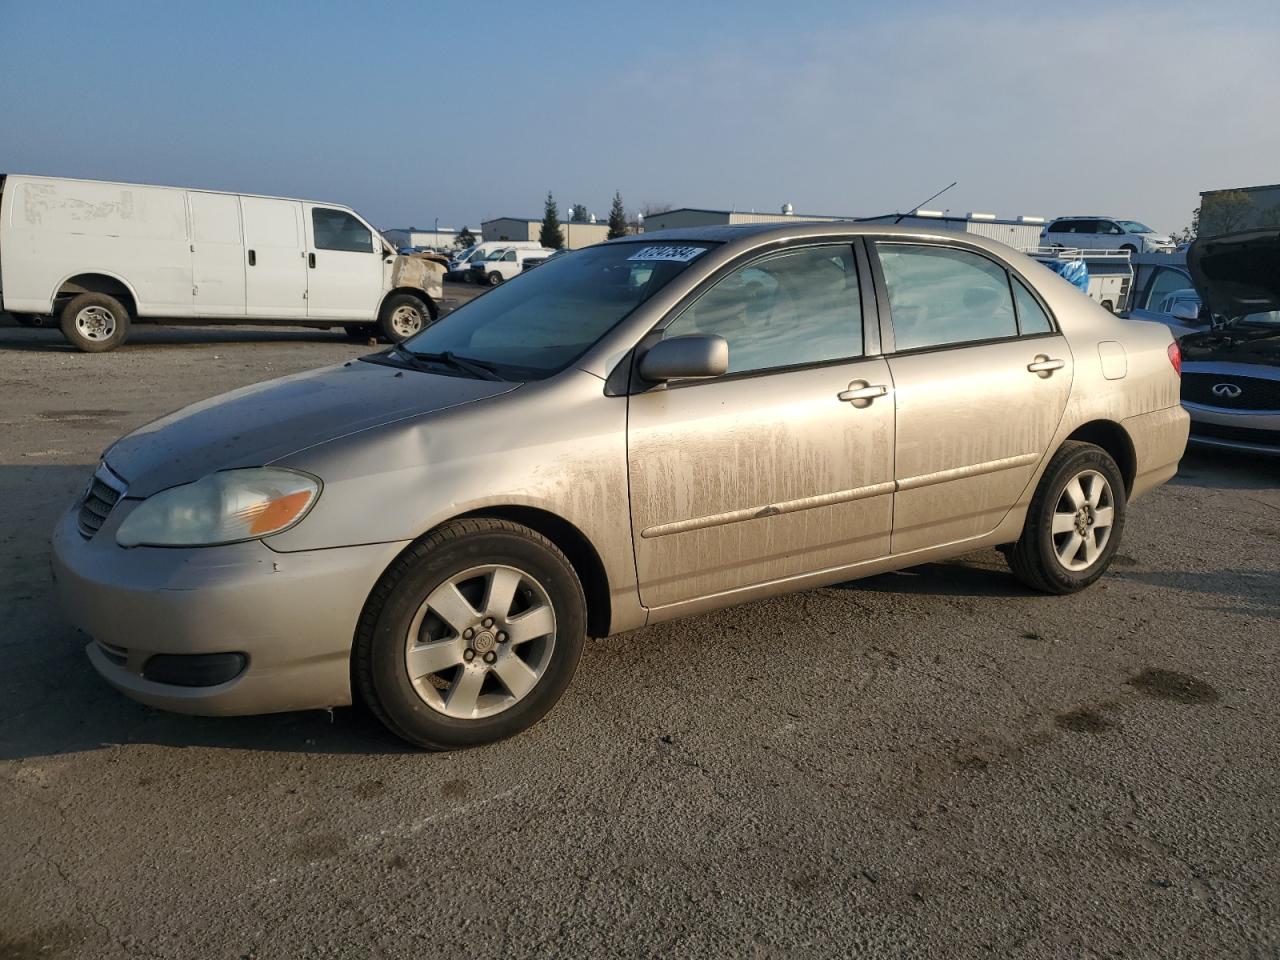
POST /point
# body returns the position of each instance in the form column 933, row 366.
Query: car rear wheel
column 471, row 636
column 494, row 278
column 95, row 322
column 1074, row 523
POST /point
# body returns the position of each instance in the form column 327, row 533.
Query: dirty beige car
column 646, row 429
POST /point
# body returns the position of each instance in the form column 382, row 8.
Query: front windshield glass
column 1269, row 319
column 497, row 254
column 1133, row 226
column 543, row 320
column 465, row 255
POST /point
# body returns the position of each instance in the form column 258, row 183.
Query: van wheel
column 402, row 316
column 471, row 636
column 1074, row 523
column 494, row 279
column 1108, row 306
column 95, row 322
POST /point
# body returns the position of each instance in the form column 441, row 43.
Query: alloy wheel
column 1082, row 520
column 481, row 641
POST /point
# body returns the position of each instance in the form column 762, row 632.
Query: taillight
column 1175, row 357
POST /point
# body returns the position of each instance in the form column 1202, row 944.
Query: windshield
column 537, row 324
column 1133, row 226
column 465, row 255
column 497, row 254
column 1270, row 318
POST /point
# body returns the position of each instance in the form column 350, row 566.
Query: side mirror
column 1185, row 311
column 685, row 358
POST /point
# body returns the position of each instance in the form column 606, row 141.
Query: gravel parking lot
column 929, row 763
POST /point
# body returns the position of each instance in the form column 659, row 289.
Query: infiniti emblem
column 1228, row 390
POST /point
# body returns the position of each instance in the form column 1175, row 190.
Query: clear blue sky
column 465, row 111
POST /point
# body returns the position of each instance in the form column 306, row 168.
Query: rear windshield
column 542, row 321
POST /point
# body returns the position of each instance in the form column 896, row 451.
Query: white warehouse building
column 1020, row 233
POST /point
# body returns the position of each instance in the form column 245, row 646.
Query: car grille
column 105, row 491
column 1217, row 431
column 1254, row 392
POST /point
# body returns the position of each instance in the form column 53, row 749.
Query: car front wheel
column 1074, row 523
column 471, row 636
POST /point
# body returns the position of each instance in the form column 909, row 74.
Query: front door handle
column 311, row 260
column 1044, row 365
column 253, row 258
column 861, row 393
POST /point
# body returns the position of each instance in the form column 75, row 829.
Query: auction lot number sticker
column 672, row 253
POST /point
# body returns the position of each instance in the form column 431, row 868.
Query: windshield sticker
column 674, row 254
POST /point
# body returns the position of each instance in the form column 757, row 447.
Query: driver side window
column 793, row 308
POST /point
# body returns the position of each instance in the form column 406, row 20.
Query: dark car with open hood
column 1231, row 372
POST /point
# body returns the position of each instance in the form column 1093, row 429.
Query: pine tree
column 464, row 239
column 617, row 217
column 551, row 235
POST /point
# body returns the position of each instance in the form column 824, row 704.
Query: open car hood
column 1237, row 273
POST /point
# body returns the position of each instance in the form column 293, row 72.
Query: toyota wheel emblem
column 1228, row 390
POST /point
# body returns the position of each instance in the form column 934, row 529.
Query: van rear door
column 275, row 268
column 217, row 254
column 344, row 275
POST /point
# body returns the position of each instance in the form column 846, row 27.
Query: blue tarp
column 1073, row 271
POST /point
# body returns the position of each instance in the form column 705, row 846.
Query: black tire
column 379, row 669
column 494, row 278
column 108, row 313
column 1034, row 558
column 394, row 330
column 1130, row 247
column 1108, row 306
column 361, row 332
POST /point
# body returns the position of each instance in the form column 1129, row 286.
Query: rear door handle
column 1045, row 365
column 311, row 260
column 253, row 258
column 861, row 393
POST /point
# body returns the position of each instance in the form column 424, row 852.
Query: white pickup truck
column 98, row 256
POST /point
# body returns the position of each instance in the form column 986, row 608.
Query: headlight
column 225, row 507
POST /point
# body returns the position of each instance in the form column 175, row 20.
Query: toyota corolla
column 646, row 429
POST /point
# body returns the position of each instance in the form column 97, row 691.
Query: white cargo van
column 504, row 263
column 98, row 256
column 460, row 266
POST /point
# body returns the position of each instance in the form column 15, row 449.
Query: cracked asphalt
column 923, row 764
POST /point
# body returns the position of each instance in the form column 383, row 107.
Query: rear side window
column 793, row 308
column 940, row 296
column 1063, row 226
column 1031, row 316
column 339, row 230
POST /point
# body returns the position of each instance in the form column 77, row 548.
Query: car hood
column 259, row 424
column 1237, row 273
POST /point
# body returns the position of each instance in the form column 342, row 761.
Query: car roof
column 756, row 234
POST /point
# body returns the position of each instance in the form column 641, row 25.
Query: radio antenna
column 923, row 202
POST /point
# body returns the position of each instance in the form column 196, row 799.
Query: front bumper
column 1245, row 431
column 292, row 615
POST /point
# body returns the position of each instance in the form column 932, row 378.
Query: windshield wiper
column 477, row 368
